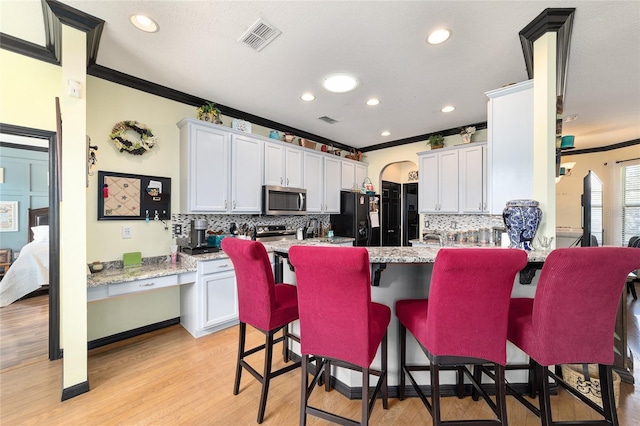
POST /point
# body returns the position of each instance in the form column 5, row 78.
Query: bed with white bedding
column 30, row 271
column 27, row 274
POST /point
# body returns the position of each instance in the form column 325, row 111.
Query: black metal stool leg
column 241, row 342
column 266, row 377
column 403, row 360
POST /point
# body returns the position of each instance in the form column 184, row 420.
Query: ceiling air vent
column 327, row 119
column 259, row 35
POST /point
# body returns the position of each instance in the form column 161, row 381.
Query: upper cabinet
column 510, row 152
column 473, row 178
column 438, row 181
column 313, row 170
column 283, row 165
column 353, row 174
column 220, row 171
column 331, row 191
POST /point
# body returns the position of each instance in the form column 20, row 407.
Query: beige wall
column 569, row 189
column 28, row 89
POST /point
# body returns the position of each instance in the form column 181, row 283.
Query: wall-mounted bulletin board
column 123, row 196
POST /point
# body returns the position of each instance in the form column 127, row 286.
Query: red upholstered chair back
column 575, row 306
column 469, row 302
column 254, row 277
column 334, row 299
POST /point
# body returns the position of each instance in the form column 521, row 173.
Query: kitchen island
column 405, row 273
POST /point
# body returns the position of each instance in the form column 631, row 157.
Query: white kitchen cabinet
column 473, row 178
column 314, row 181
column 204, row 167
column 220, row 171
column 246, row 174
column 283, row 165
column 353, row 174
column 510, row 144
column 211, row 303
column 331, row 187
column 438, row 181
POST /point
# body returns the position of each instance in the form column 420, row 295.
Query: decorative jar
column 522, row 219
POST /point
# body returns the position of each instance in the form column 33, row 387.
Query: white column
column 73, row 221
column 544, row 130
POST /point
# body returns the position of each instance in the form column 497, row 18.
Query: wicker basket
column 307, row 143
column 572, row 374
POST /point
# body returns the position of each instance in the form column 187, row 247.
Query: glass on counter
column 484, row 235
column 472, row 236
column 462, row 236
column 451, row 237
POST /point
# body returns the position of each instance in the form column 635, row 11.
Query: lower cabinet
column 211, row 303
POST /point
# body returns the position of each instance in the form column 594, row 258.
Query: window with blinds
column 630, row 203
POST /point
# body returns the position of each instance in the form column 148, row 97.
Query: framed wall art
column 8, row 216
column 123, row 196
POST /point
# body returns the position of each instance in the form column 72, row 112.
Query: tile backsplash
column 447, row 222
column 217, row 222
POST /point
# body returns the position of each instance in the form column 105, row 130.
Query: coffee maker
column 197, row 243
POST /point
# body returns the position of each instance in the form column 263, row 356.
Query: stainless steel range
column 275, row 233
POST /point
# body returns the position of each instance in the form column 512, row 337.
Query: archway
column 399, row 218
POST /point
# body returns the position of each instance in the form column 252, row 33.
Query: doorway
column 410, row 216
column 391, row 214
column 54, row 229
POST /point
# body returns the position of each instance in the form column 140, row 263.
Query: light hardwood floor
column 170, row 378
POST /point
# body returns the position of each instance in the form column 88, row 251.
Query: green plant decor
column 209, row 112
column 436, row 141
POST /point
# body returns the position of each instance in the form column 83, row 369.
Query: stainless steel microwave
column 280, row 200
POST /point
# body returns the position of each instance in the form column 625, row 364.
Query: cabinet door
column 293, row 167
column 313, row 181
column 274, row 158
column 348, row 175
column 219, row 299
column 332, row 178
column 362, row 171
column 485, row 179
column 448, row 182
column 246, row 174
column 428, row 183
column 471, row 179
column 208, row 169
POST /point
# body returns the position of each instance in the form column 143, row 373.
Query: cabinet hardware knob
column 234, row 204
column 147, row 285
column 225, row 204
column 223, row 266
column 287, row 181
column 280, row 180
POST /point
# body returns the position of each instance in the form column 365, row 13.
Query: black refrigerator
column 359, row 218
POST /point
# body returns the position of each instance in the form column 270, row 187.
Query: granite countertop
column 160, row 266
column 393, row 254
column 154, row 267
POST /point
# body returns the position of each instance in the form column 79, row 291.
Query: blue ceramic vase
column 522, row 219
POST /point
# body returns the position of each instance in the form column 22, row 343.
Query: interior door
column 391, row 215
column 410, row 216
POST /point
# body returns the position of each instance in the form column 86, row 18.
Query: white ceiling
column 383, row 43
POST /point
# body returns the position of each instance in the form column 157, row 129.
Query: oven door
column 277, row 200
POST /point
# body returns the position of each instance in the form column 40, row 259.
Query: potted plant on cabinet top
column 436, row 141
column 209, row 112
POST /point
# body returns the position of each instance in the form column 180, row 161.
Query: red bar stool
column 263, row 304
column 464, row 321
column 339, row 323
column 571, row 320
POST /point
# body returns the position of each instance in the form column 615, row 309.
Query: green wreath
column 136, row 147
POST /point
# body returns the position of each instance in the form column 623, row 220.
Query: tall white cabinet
column 438, row 181
column 473, row 178
column 510, row 153
column 220, row 171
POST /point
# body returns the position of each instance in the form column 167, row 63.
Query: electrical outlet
column 177, row 229
column 126, row 232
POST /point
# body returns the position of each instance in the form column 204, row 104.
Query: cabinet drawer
column 142, row 285
column 212, row 266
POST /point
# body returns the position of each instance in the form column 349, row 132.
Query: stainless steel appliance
column 197, row 243
column 359, row 218
column 274, row 233
column 280, row 200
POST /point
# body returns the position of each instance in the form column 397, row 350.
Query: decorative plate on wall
column 243, row 126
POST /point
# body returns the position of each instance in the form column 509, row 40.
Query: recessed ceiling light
column 448, row 108
column 373, row 102
column 307, row 97
column 438, row 36
column 385, row 133
column 340, row 83
column 144, row 23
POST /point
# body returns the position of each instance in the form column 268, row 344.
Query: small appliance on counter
column 197, row 242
